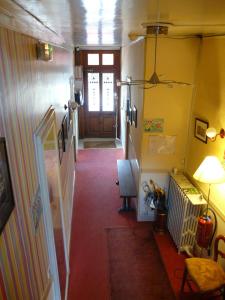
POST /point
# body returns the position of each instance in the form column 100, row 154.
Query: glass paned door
column 101, row 96
column 107, row 92
column 100, row 115
column 93, row 92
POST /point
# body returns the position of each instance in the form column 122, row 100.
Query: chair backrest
column 218, row 252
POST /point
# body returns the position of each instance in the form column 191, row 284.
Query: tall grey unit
column 185, row 203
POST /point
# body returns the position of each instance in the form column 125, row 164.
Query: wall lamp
column 212, row 134
column 44, row 51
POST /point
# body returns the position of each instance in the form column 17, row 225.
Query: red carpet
column 95, row 208
column 136, row 269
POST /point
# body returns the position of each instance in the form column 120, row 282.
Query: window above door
column 98, row 59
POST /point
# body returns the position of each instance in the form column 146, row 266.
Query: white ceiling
column 100, row 23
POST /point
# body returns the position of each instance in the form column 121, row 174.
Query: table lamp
column 210, row 171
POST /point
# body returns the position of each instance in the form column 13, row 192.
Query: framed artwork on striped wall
column 6, row 192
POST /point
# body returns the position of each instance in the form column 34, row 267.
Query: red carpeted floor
column 95, row 208
column 173, row 262
column 136, row 268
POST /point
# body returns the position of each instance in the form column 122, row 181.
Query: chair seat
column 206, row 274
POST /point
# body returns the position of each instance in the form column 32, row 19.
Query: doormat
column 135, row 267
column 100, row 144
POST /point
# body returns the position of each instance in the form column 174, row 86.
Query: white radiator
column 184, row 206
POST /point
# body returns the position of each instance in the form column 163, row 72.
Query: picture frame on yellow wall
column 130, row 115
column 200, row 130
column 60, row 145
column 154, row 125
column 65, row 131
column 134, row 116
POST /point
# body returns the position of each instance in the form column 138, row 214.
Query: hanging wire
column 156, row 42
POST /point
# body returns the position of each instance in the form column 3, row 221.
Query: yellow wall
column 209, row 105
column 176, row 59
column 133, row 65
column 201, row 62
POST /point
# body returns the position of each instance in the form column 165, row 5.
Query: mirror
column 51, row 161
column 47, row 154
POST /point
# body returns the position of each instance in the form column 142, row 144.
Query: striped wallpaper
column 27, row 88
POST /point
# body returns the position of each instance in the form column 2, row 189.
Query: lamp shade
column 210, row 171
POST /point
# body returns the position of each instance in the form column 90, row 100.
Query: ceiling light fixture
column 154, row 79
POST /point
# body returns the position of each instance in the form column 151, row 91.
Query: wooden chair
column 207, row 274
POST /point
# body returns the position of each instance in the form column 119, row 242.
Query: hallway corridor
column 96, row 174
column 92, row 214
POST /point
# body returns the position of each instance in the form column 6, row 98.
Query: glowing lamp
column 212, row 133
column 210, row 171
column 44, row 51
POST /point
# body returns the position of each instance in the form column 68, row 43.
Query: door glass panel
column 107, row 92
column 93, row 92
column 93, row 59
column 107, row 59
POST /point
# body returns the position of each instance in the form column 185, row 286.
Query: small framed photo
column 130, row 115
column 65, row 131
column 70, row 113
column 128, row 108
column 134, row 116
column 200, row 129
column 60, row 145
column 69, row 116
column 6, row 192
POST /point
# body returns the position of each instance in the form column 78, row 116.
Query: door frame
column 82, row 59
column 100, row 114
column 46, row 125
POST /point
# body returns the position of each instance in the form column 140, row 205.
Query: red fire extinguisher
column 206, row 230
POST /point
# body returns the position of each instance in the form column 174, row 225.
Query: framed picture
column 130, row 115
column 69, row 116
column 134, row 116
column 154, row 125
column 6, row 192
column 65, row 131
column 200, row 130
column 128, row 108
column 60, row 145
